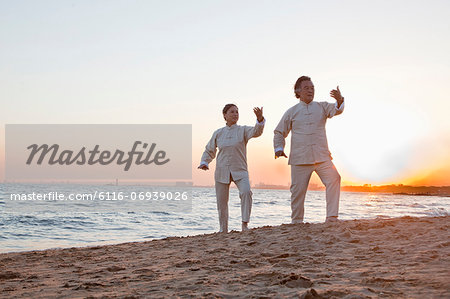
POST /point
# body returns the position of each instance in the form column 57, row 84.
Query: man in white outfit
column 309, row 147
column 231, row 164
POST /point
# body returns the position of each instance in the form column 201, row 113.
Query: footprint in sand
column 311, row 294
column 296, row 281
column 9, row 275
column 187, row 263
column 291, row 280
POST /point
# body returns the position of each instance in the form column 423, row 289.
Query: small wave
column 437, row 212
column 160, row 213
column 416, row 205
column 20, row 235
column 119, row 228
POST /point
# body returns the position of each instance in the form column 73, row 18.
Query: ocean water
column 36, row 225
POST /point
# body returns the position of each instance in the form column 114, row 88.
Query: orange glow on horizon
column 276, row 172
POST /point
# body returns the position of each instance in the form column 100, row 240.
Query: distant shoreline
column 367, row 188
column 390, row 189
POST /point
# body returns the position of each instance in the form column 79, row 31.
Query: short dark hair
column 227, row 107
column 298, row 83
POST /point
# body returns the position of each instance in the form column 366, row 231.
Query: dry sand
column 390, row 258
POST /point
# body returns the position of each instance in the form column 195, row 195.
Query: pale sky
column 180, row 62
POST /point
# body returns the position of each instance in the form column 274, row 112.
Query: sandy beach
column 391, row 258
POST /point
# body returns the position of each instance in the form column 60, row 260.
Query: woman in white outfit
column 231, row 162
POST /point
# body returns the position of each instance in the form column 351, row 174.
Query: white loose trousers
column 222, row 195
column 300, row 176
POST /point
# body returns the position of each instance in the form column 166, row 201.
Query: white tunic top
column 232, row 156
column 308, row 139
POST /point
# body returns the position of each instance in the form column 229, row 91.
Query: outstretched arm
column 210, row 153
column 280, row 133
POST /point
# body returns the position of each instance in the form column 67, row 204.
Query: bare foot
column 244, row 226
column 332, row 220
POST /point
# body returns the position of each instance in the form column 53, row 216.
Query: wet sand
column 391, row 258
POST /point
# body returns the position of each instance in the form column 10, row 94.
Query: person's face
column 306, row 91
column 232, row 115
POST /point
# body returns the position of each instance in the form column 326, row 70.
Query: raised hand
column 259, row 113
column 336, row 93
